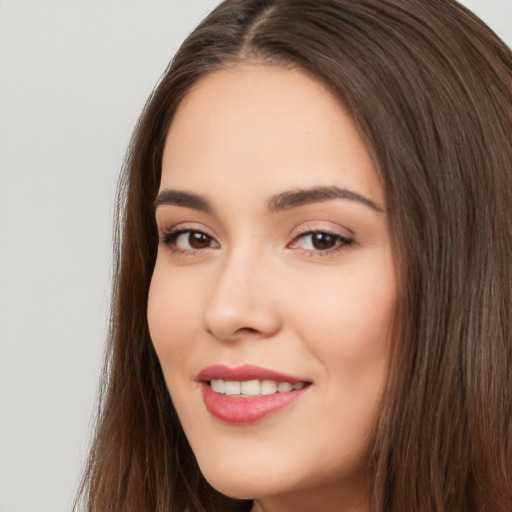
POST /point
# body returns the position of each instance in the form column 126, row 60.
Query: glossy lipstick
column 238, row 409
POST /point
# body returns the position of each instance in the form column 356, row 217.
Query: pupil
column 198, row 240
column 323, row 241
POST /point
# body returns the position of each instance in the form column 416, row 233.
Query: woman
column 312, row 299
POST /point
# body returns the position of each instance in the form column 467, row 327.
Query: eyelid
column 321, row 226
column 166, row 227
column 176, row 233
column 167, row 235
column 343, row 242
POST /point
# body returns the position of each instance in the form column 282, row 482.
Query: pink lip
column 245, row 372
column 238, row 410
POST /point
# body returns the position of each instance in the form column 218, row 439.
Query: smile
column 248, row 393
column 249, row 388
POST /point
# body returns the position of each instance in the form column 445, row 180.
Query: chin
column 239, row 489
column 247, row 481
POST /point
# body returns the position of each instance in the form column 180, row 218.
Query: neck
column 344, row 498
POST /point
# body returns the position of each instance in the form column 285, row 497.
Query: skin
column 256, row 290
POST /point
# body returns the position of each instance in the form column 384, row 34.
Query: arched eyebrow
column 182, row 198
column 278, row 203
column 301, row 197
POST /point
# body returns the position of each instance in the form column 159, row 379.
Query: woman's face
column 274, row 288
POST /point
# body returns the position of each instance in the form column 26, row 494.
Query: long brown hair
column 430, row 89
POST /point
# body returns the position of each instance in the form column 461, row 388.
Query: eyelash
column 342, row 243
column 169, row 238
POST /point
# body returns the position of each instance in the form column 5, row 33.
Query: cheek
column 346, row 321
column 171, row 318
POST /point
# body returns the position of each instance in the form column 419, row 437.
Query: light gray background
column 74, row 76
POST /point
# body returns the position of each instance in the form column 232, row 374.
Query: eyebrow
column 278, row 203
column 301, row 197
column 181, row 198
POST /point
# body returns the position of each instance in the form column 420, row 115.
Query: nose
column 241, row 303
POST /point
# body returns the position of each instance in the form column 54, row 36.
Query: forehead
column 268, row 123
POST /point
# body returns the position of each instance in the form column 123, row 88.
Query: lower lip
column 237, row 410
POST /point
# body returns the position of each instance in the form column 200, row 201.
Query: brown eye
column 187, row 240
column 197, row 240
column 323, row 241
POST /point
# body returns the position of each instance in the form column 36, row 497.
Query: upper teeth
column 252, row 387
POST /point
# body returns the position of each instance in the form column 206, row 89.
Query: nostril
column 247, row 330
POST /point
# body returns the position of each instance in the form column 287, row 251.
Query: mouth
column 247, row 394
column 248, row 388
